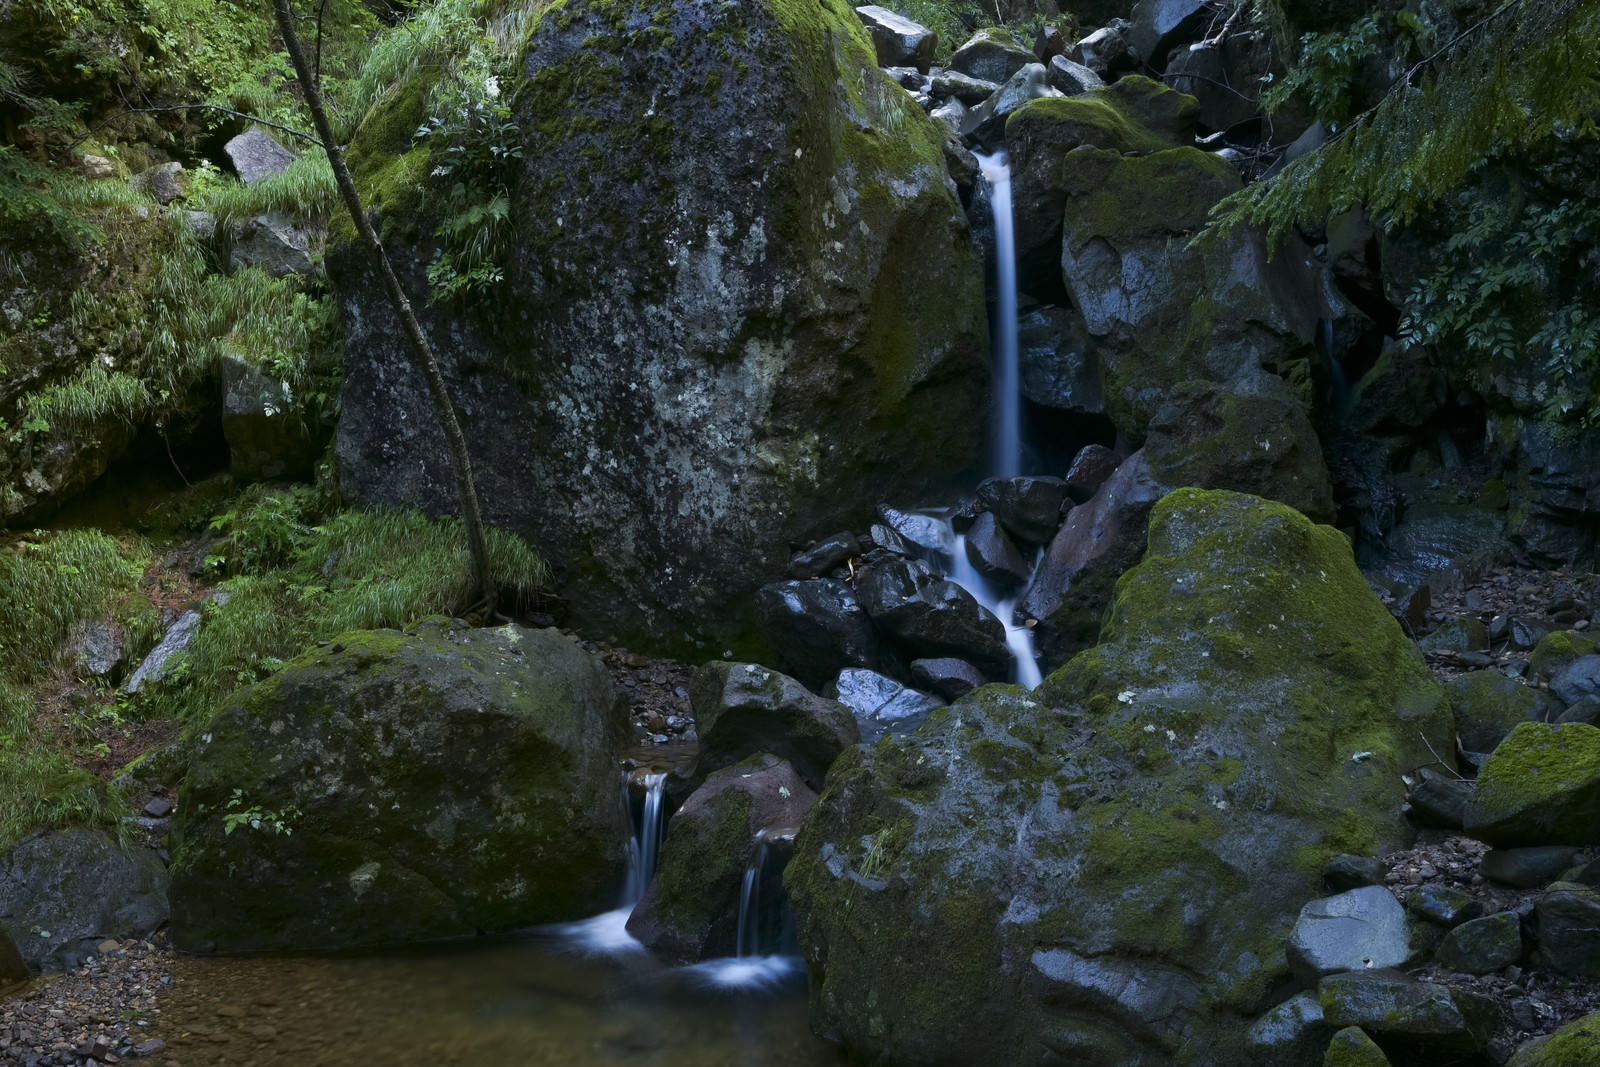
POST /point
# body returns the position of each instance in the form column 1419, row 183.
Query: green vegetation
column 52, row 585
column 296, row 576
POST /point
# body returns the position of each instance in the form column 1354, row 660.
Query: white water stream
column 1006, row 428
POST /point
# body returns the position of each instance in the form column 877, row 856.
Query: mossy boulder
column 1106, row 870
column 1351, row 1047
column 742, row 303
column 1558, row 650
column 739, row 820
column 1576, row 1042
column 395, row 787
column 1540, row 786
column 1487, row 706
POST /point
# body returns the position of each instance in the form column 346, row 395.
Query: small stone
column 158, row 808
column 1346, row 872
column 1443, row 904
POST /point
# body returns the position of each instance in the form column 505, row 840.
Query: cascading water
column 646, row 844
column 1006, row 430
column 749, row 935
column 1019, row 639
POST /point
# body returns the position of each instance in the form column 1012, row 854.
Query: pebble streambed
column 536, row 998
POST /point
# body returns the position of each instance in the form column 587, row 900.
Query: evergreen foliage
column 1525, row 74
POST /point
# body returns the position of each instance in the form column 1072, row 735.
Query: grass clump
column 296, row 577
column 51, row 586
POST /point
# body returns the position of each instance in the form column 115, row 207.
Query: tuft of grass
column 306, row 189
column 296, row 580
column 51, row 586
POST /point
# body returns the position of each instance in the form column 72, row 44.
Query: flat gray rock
column 256, row 154
column 1359, row 930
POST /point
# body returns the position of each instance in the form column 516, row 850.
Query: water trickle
column 749, row 934
column 1006, row 429
column 1019, row 639
column 646, row 844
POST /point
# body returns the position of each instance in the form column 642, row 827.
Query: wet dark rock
column 1106, row 51
column 1072, row 79
column 1091, row 468
column 1345, row 872
column 1157, row 26
column 946, row 677
column 164, row 182
column 1099, row 540
column 817, row 627
column 1584, row 710
column 1411, row 606
column 1290, row 1034
column 923, row 532
column 1443, row 904
column 1439, row 800
column 899, row 41
column 881, row 704
column 993, row 556
column 1541, row 786
column 58, row 889
column 1209, row 72
column 992, row 55
column 1460, row 634
column 256, row 154
column 822, row 557
column 963, row 87
column 1482, row 946
column 985, row 123
column 742, row 709
column 1578, row 680
column 1407, row 1013
column 1361, row 928
column 1029, row 506
column 158, row 808
column 1056, row 361
column 436, row 783
column 690, row 911
column 1528, row 867
column 1566, row 930
column 1524, row 632
column 932, row 616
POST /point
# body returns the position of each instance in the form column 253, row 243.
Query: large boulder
column 396, row 787
column 1105, row 870
column 62, row 893
column 742, row 299
column 743, row 709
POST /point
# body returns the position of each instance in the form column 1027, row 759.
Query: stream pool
column 548, row 996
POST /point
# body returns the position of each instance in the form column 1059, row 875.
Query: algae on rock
column 1109, row 867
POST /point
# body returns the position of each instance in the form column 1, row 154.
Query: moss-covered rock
column 1576, row 1042
column 396, row 787
column 1540, row 786
column 724, row 831
column 1487, row 706
column 743, row 303
column 1107, row 869
column 1351, row 1047
column 1558, row 650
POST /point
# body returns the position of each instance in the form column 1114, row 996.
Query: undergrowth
column 295, row 577
column 52, row 585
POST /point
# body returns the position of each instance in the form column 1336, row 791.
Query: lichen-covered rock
column 1289, row 1035
column 1109, row 866
column 1351, row 1047
column 1482, row 946
column 397, row 787
column 690, row 911
column 1541, row 786
column 743, row 300
column 1407, row 1014
column 61, row 889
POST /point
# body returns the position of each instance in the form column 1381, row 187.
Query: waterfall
column 748, row 941
column 1019, row 639
column 1007, row 420
column 646, row 844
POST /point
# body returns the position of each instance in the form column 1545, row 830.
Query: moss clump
column 1576, row 1042
column 1540, row 786
column 1558, row 650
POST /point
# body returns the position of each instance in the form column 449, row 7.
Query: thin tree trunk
column 421, row 352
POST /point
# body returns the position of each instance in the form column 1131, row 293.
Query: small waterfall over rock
column 648, row 831
column 1019, row 639
column 749, row 936
column 1006, row 429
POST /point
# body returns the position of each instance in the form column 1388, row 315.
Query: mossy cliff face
column 1105, row 871
column 743, row 302
column 403, row 787
column 1109, row 193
